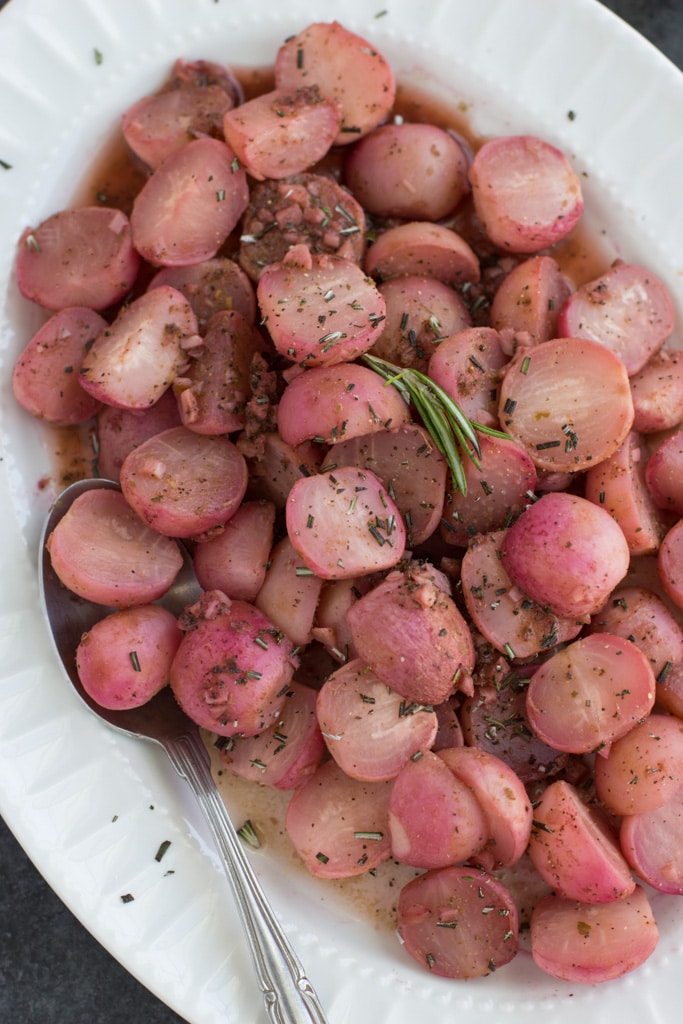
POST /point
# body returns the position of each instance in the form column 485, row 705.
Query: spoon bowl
column 288, row 994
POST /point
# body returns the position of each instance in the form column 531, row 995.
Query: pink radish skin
column 214, row 392
column 575, row 851
column 286, row 754
column 434, row 817
column 525, row 193
column 235, row 560
column 627, row 309
column 125, row 658
column 276, row 467
column 412, row 171
column 652, row 842
column 134, row 361
column 183, row 484
column 103, row 552
column 422, row 248
column 411, row 633
column 282, row 132
column 494, row 719
column 189, row 206
column 502, row 798
column 644, row 768
column 347, row 69
column 580, row 942
column 233, row 667
column 496, row 490
column 664, row 473
column 670, row 564
column 590, row 693
column 45, row 377
column 509, row 619
column 344, row 524
column 366, row 726
column 566, row 553
column 568, row 402
column 338, row 402
column 338, row 825
column 81, row 257
column 458, row 922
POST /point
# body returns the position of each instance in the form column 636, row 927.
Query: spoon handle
column 289, row 996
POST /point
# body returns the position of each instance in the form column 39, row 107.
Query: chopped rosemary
column 376, row 836
column 452, row 432
column 135, row 661
column 159, row 855
column 249, row 835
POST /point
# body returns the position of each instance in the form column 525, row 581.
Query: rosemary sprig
column 452, row 432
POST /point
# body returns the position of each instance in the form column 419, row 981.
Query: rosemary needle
column 452, row 432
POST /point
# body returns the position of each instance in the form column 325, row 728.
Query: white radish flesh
column 568, row 402
column 137, row 358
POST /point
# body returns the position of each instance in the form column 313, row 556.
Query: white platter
column 92, row 808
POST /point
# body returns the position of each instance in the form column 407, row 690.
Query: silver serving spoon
column 289, row 996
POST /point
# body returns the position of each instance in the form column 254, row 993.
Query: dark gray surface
column 51, row 970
